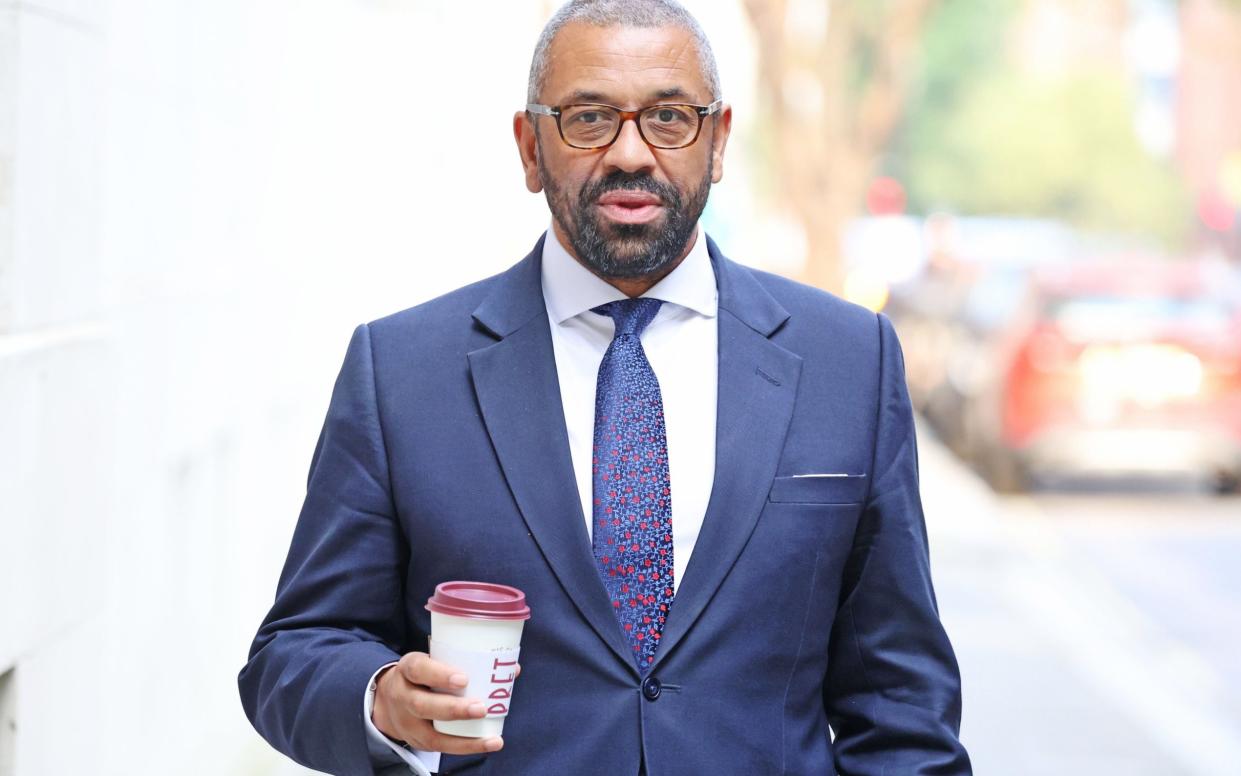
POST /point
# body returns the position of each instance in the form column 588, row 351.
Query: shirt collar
column 570, row 289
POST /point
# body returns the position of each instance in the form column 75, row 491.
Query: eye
column 669, row 116
column 587, row 117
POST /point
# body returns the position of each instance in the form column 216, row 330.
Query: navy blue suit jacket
column 807, row 601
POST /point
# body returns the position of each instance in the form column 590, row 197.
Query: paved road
column 1098, row 633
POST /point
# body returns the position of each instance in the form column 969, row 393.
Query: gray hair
column 622, row 13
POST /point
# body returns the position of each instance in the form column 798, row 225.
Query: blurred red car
column 1118, row 368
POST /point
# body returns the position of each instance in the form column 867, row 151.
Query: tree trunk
column 827, row 142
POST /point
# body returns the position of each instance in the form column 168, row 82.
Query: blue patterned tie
column 632, row 536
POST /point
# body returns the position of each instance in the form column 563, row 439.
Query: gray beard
column 627, row 251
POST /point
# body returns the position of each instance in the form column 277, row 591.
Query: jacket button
column 651, row 688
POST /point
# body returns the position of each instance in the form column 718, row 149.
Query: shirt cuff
column 383, row 748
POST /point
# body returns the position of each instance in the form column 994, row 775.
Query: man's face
column 627, row 210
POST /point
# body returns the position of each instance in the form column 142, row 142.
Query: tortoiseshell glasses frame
column 594, row 125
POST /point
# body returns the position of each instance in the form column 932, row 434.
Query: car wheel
column 1226, row 483
column 1006, row 473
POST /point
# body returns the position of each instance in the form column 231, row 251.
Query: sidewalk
column 1061, row 672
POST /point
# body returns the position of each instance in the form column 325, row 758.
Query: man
column 703, row 477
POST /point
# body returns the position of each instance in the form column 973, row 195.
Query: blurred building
column 1208, row 118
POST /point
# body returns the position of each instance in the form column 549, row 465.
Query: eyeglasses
column 591, row 126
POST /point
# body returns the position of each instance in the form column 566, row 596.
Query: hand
column 406, row 702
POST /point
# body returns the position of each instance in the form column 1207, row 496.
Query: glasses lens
column 588, row 126
column 669, row 126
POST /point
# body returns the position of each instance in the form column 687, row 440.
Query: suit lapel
column 757, row 387
column 519, row 395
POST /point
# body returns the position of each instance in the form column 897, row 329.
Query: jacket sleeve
column 338, row 613
column 893, row 690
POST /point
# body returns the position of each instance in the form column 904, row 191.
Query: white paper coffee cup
column 476, row 627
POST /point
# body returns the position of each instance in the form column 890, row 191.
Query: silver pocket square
column 829, row 474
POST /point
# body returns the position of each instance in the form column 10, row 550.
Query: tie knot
column 631, row 315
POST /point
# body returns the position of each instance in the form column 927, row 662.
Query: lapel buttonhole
column 765, row 376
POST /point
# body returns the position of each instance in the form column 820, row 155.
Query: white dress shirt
column 681, row 343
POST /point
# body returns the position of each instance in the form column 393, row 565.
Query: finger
column 424, row 704
column 419, row 668
column 518, row 671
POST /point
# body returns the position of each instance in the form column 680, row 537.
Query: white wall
column 198, row 201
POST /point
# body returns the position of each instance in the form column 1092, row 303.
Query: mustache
column 627, row 181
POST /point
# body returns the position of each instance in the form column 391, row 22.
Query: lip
column 632, row 199
column 630, row 207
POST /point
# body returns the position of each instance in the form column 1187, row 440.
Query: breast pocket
column 819, row 489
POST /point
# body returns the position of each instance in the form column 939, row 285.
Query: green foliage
column 964, row 39
column 1063, row 149
column 981, row 138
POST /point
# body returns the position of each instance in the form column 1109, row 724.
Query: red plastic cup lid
column 479, row 601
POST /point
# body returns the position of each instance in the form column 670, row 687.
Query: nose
column 630, row 152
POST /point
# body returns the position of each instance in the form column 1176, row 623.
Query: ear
column 719, row 139
column 528, row 148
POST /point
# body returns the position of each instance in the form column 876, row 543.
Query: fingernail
column 477, row 710
column 460, row 680
column 494, row 744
